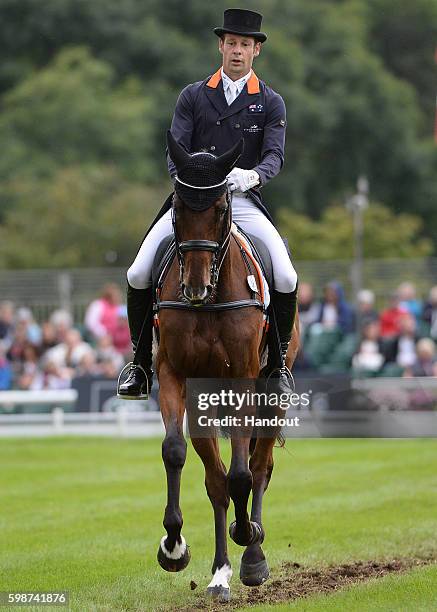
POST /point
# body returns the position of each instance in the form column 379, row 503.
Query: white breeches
column 249, row 218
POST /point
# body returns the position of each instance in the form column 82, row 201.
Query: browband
column 196, row 187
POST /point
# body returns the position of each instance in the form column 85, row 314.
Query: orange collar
column 252, row 83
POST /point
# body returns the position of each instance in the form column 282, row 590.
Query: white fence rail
column 121, row 423
column 63, row 397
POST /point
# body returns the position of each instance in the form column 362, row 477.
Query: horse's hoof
column 256, row 534
column 219, row 593
column 167, row 561
column 254, row 574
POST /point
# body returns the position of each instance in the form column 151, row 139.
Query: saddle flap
column 161, row 257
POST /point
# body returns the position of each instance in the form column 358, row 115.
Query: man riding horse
column 212, row 116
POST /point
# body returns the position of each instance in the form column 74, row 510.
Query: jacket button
column 237, row 125
column 218, row 122
column 213, row 148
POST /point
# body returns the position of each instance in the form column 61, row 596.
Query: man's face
column 238, row 54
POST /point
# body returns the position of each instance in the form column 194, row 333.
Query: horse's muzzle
column 196, row 295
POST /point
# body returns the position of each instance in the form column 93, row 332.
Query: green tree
column 404, row 35
column 72, row 112
column 76, row 219
column 386, row 234
column 347, row 115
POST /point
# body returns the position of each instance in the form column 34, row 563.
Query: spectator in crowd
column 6, row 322
column 88, row 366
column 391, row 316
column 369, row 357
column 69, row 353
column 48, row 336
column 106, row 351
column 309, row 309
column 121, row 335
column 402, row 350
column 108, row 369
column 24, row 315
column 62, row 322
column 408, row 300
column 425, row 364
column 366, row 308
column 102, row 314
column 20, row 340
column 430, row 312
column 30, row 375
column 335, row 312
column 5, row 371
column 55, row 376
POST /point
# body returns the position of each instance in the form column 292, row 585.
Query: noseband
column 219, row 249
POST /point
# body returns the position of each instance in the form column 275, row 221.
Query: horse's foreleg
column 215, row 483
column 173, row 552
column 254, row 569
column 242, row 531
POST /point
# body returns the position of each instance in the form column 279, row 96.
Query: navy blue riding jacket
column 203, row 121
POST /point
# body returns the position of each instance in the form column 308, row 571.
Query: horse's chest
column 200, row 351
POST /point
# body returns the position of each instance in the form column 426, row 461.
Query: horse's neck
column 233, row 273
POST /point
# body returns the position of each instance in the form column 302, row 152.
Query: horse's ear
column 228, row 160
column 177, row 153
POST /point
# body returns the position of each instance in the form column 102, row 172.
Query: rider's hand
column 242, row 180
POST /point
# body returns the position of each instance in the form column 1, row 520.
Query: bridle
column 218, row 249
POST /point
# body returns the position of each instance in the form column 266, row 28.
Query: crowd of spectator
column 51, row 355
column 398, row 339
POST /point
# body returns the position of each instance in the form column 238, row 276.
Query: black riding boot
column 140, row 314
column 284, row 306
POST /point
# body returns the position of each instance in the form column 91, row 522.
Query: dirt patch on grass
column 293, row 582
column 296, row 583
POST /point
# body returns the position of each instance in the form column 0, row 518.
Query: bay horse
column 200, row 337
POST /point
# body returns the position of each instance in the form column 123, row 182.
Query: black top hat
column 240, row 21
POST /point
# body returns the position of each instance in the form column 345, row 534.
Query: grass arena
column 350, row 525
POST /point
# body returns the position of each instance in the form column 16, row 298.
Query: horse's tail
column 280, row 440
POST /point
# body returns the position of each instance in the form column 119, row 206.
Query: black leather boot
column 138, row 382
column 284, row 306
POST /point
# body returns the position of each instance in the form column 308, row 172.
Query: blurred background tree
column 87, row 91
column 386, row 234
column 81, row 216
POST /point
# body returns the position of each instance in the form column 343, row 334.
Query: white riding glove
column 242, row 180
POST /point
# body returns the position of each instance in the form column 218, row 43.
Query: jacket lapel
column 242, row 101
column 217, row 98
column 215, row 93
